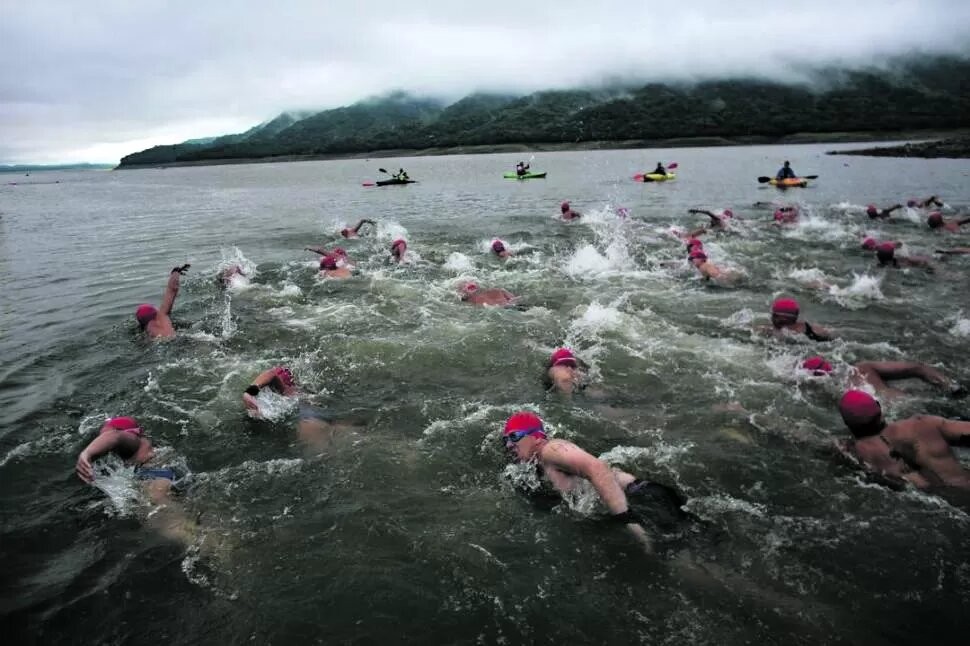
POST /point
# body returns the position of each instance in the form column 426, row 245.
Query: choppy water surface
column 409, row 528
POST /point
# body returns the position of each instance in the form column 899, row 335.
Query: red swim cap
column 328, row 262
column 935, row 219
column 339, row 251
column 859, row 410
column 817, row 365
column 398, row 247
column 697, row 254
column 563, row 357
column 469, row 288
column 872, row 210
column 285, row 376
column 498, row 246
column 126, row 424
column 785, row 306
column 524, row 421
column 728, row 213
column 869, row 244
column 145, row 314
column 885, row 252
column 694, row 242
column 564, row 206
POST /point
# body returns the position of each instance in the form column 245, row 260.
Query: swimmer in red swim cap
column 351, row 232
column 935, row 221
column 887, row 256
column 157, row 322
column 784, row 321
column 875, row 213
column 398, row 248
column 279, row 379
column 333, row 266
column 500, row 250
column 719, row 222
column 877, row 374
column 472, row 293
column 568, row 213
column 915, row 450
column 563, row 372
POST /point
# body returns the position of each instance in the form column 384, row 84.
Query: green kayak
column 526, row 176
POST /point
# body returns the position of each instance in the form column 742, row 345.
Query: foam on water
column 459, row 262
column 273, row 406
column 961, row 326
column 859, row 293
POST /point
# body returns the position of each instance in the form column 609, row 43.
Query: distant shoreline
column 951, row 148
column 682, row 142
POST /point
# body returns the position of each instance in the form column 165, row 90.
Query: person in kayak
column 500, row 250
column 875, row 213
column 784, row 322
column 156, row 322
column 916, row 450
column 568, row 213
column 659, row 170
column 521, row 168
column 401, row 174
column 786, row 172
column 932, row 200
column 398, row 248
column 876, row 374
column 886, row 255
column 935, row 221
column 472, row 293
column 565, row 468
column 351, row 232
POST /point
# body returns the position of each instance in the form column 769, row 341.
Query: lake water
column 410, row 528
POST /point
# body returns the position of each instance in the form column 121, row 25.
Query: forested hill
column 921, row 94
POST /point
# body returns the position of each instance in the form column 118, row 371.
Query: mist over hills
column 918, row 93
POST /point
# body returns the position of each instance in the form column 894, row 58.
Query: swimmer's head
column 935, row 220
column 784, row 311
column 817, row 365
column 285, row 376
column 468, row 287
column 564, row 206
column 339, row 251
column 869, row 244
column 871, row 210
column 145, row 314
column 398, row 247
column 498, row 246
column 861, row 413
column 328, row 262
column 346, row 232
column 123, row 424
column 694, row 243
column 520, row 426
column 886, row 253
column 563, row 357
column 728, row 213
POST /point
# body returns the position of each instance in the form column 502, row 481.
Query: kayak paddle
column 368, row 184
column 765, row 180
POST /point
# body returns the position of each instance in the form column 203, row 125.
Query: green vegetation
column 922, row 94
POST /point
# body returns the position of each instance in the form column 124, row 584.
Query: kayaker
column 401, row 174
column 916, row 450
column 156, row 322
column 352, row 232
column 500, row 250
column 472, row 293
column 875, row 213
column 876, row 374
column 886, row 254
column 568, row 213
column 786, row 172
column 936, row 221
column 521, row 168
column 784, row 322
column 659, row 170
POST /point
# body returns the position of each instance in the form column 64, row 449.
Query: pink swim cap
column 564, row 206
column 328, row 262
column 869, row 244
column 285, row 376
column 872, row 210
column 124, row 424
column 339, row 251
column 785, row 306
column 817, row 365
column 728, row 213
column 859, row 410
column 398, row 247
column 524, row 421
column 935, row 219
column 145, row 314
column 563, row 357
column 469, row 288
column 694, row 242
column 498, row 246
column 885, row 252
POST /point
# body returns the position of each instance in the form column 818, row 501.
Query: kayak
column 657, row 177
column 396, row 182
column 789, row 182
column 526, row 176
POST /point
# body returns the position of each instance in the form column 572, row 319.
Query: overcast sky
column 95, row 80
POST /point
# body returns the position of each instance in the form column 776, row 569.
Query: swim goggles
column 515, row 436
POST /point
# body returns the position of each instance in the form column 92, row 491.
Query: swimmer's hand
column 83, row 468
column 182, row 269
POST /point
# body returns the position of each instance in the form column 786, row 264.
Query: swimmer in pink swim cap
column 887, row 257
column 878, row 374
column 500, row 250
column 334, row 265
column 935, row 221
column 279, row 379
column 784, row 322
column 563, row 372
column 568, row 213
column 875, row 213
column 351, row 232
column 719, row 222
column 157, row 322
column 471, row 293
column 398, row 248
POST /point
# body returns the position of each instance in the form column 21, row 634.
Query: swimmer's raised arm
column 172, row 289
column 362, row 222
column 317, row 250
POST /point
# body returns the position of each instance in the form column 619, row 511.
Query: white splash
column 459, row 262
column 859, row 292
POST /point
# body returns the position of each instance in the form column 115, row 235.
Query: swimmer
column 278, row 379
column 935, row 221
column 351, row 232
column 338, row 252
column 500, row 250
column 156, row 322
column 786, row 215
column 563, row 465
column 227, row 275
column 784, row 322
column 932, row 200
column 332, row 266
column 876, row 374
column 718, row 222
column 568, row 213
column 398, row 248
column 709, row 270
column 870, row 244
column 124, row 437
column 875, row 213
column 472, row 293
column 915, row 450
column 886, row 254
column 563, row 372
